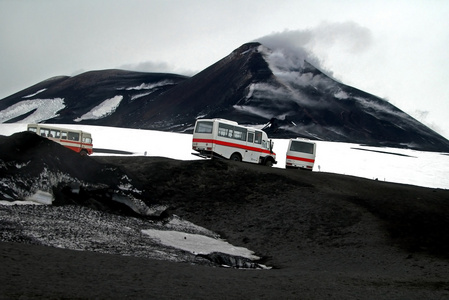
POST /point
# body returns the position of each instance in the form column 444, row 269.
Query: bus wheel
column 235, row 157
column 83, row 152
column 269, row 163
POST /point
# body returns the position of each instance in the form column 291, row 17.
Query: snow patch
column 32, row 95
column 139, row 206
column 201, row 116
column 102, row 110
column 150, row 86
column 42, row 182
column 196, row 243
column 9, row 203
column 44, row 109
column 134, row 97
column 341, row 95
column 41, row 197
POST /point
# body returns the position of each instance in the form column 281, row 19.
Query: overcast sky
column 397, row 50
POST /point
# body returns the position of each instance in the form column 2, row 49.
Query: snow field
column 427, row 169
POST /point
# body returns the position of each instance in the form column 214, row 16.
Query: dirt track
column 325, row 235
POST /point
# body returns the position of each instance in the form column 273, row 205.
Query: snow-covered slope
column 428, row 169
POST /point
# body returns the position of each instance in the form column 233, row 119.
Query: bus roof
column 303, row 140
column 220, row 120
column 57, row 128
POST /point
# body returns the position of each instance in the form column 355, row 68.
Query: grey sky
column 394, row 49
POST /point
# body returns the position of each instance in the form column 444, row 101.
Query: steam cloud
column 314, row 44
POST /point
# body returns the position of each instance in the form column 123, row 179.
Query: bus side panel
column 226, row 147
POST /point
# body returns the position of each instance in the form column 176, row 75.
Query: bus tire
column 83, row 152
column 236, row 157
column 269, row 163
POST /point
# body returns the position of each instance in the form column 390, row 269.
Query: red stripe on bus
column 70, row 141
column 301, row 158
column 203, row 141
column 74, row 145
column 227, row 144
column 78, row 149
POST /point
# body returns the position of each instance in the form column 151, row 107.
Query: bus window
column 63, row 135
column 45, row 132
column 250, row 137
column 240, row 133
column 32, row 129
column 204, row 127
column 73, row 136
column 264, row 144
column 258, row 139
column 87, row 140
column 225, row 130
column 55, row 133
column 301, row 147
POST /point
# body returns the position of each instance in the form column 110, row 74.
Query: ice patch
column 102, row 110
column 45, row 109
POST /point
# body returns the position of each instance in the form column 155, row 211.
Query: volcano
column 253, row 85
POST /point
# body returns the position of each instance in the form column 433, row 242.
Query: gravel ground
column 324, row 235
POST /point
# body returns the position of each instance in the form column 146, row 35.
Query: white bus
column 227, row 139
column 300, row 154
column 76, row 140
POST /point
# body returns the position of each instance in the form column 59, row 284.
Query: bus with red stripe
column 300, row 154
column 227, row 139
column 76, row 140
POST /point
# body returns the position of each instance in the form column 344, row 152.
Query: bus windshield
column 301, row 147
column 204, row 127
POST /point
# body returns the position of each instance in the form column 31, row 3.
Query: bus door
column 250, row 154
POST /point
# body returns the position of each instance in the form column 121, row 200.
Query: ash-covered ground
column 323, row 235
